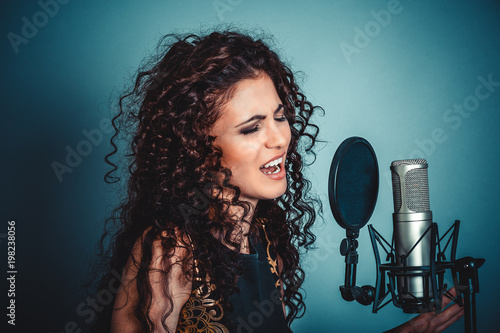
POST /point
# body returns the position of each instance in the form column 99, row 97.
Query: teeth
column 273, row 163
column 278, row 169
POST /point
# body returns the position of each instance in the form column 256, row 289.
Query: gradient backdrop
column 410, row 76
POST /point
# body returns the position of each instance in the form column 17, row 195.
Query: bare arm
column 179, row 289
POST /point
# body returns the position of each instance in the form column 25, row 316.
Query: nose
column 278, row 136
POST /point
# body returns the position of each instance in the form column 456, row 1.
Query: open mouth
column 272, row 167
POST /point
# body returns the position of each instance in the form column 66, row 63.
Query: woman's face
column 254, row 135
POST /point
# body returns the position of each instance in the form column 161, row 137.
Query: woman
column 215, row 141
column 217, row 209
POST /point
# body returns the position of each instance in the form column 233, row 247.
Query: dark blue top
column 257, row 307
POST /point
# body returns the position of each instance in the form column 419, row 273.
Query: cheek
column 288, row 134
column 238, row 156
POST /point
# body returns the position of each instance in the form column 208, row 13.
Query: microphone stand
column 468, row 285
column 464, row 272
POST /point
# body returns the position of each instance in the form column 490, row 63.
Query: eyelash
column 250, row 131
column 257, row 127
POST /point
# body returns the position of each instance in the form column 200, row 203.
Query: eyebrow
column 259, row 116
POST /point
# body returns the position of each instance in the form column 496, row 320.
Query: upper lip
column 274, row 158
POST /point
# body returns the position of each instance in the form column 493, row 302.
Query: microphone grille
column 417, row 190
column 396, row 188
column 416, row 185
column 409, row 162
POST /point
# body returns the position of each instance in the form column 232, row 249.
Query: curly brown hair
column 172, row 161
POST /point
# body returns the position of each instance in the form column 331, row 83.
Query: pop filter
column 353, row 183
column 353, row 191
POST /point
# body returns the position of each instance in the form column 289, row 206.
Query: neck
column 241, row 229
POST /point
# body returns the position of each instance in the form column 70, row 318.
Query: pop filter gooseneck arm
column 352, row 191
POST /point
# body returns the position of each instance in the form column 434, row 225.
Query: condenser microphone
column 412, row 220
column 413, row 274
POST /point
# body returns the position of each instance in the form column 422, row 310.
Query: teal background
column 395, row 90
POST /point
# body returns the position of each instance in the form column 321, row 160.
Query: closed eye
column 254, row 129
column 251, row 130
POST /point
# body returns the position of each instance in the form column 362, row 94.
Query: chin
column 277, row 193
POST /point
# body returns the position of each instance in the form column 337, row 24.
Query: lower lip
column 278, row 176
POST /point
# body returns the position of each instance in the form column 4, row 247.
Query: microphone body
column 411, row 219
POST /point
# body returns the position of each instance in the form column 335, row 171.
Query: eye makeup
column 250, row 130
column 256, row 127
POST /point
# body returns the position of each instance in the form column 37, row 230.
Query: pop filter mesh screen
column 357, row 187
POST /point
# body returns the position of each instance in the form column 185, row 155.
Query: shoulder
column 165, row 278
